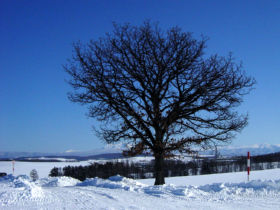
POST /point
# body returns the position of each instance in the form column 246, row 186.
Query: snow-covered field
column 43, row 168
column 220, row 191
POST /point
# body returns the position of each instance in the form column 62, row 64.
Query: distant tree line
column 141, row 170
column 126, row 169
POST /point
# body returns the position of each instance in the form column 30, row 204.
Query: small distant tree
column 157, row 90
column 34, row 175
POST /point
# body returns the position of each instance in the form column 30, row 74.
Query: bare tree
column 156, row 90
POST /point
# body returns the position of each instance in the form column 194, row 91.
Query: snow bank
column 256, row 186
column 23, row 181
column 243, row 187
column 119, row 182
column 118, row 192
column 114, row 182
column 24, row 184
column 57, row 182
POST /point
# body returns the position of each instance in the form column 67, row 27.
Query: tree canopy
column 157, row 90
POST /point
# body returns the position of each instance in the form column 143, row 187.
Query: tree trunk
column 159, row 169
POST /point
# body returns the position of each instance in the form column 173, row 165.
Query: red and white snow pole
column 248, row 165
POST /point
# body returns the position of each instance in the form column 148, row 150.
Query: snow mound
column 25, row 185
column 28, row 190
column 57, row 182
column 224, row 189
column 21, row 181
column 114, row 182
column 243, row 187
column 6, row 179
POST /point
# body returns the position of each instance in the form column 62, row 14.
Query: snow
column 43, row 168
column 218, row 178
column 57, row 182
column 51, row 159
column 220, row 191
column 114, row 182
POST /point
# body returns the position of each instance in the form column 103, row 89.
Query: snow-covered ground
column 236, row 177
column 51, row 159
column 222, row 191
column 43, row 168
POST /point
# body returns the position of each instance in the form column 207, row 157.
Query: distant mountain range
column 115, row 151
column 107, row 152
column 256, row 149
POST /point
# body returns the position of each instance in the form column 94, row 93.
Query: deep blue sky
column 36, row 39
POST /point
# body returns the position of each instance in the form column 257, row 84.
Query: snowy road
column 122, row 193
column 98, row 198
